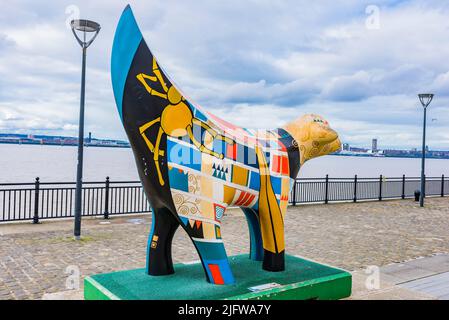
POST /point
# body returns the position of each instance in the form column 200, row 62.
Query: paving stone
column 405, row 272
column 437, row 263
column 34, row 258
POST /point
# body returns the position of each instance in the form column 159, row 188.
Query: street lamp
column 426, row 99
column 85, row 27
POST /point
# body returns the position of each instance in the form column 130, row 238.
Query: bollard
column 106, row 199
column 417, row 195
column 380, row 187
column 294, row 192
column 326, row 191
column 403, row 187
column 36, row 201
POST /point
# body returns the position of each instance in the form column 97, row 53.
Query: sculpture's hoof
column 273, row 262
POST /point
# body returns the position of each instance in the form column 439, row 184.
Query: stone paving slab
column 438, row 263
column 41, row 259
column 400, row 273
column 436, row 285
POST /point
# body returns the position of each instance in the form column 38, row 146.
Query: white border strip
column 102, row 289
column 208, row 240
column 197, row 218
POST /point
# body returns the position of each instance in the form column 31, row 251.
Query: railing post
column 442, row 185
column 36, row 201
column 106, row 199
column 403, row 187
column 380, row 187
column 355, row 188
column 294, row 192
column 326, row 191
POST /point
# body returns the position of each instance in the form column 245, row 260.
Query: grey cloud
column 5, row 43
column 252, row 62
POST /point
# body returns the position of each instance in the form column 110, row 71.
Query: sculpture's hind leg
column 159, row 259
column 256, row 244
column 206, row 236
column 271, row 218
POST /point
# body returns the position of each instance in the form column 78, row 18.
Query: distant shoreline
column 389, row 156
column 86, row 144
column 128, row 147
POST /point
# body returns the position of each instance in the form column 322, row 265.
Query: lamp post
column 425, row 99
column 85, row 27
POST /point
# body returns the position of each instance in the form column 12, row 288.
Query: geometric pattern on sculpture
column 194, row 165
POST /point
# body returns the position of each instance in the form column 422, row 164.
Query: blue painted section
column 215, row 253
column 211, row 250
column 179, row 179
column 254, row 181
column 184, row 220
column 225, row 270
column 150, row 238
column 126, row 42
column 247, row 156
column 276, row 182
column 219, row 146
column 219, row 212
column 188, row 156
column 198, row 114
column 256, row 250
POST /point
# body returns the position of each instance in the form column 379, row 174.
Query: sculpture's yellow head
column 314, row 136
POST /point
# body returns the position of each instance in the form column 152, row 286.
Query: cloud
column 5, row 43
column 255, row 63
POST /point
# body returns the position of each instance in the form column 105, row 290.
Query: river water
column 22, row 163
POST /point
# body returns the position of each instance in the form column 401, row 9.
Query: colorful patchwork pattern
column 195, row 163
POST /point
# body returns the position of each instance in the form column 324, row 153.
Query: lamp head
column 85, row 26
column 425, row 98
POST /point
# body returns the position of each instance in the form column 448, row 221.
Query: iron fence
column 49, row 200
column 357, row 189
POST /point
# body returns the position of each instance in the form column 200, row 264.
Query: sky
column 259, row 64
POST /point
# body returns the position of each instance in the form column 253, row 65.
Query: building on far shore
column 374, row 146
column 11, row 138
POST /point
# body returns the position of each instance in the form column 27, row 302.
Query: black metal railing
column 310, row 190
column 48, row 200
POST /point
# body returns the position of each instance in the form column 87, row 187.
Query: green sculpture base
column 302, row 279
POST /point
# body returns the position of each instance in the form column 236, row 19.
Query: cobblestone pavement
column 34, row 258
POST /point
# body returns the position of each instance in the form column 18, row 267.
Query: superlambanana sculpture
column 194, row 165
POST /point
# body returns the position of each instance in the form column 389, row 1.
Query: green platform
column 302, row 279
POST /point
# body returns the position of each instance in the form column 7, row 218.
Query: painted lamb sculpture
column 193, row 165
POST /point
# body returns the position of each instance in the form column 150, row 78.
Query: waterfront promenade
column 34, row 259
